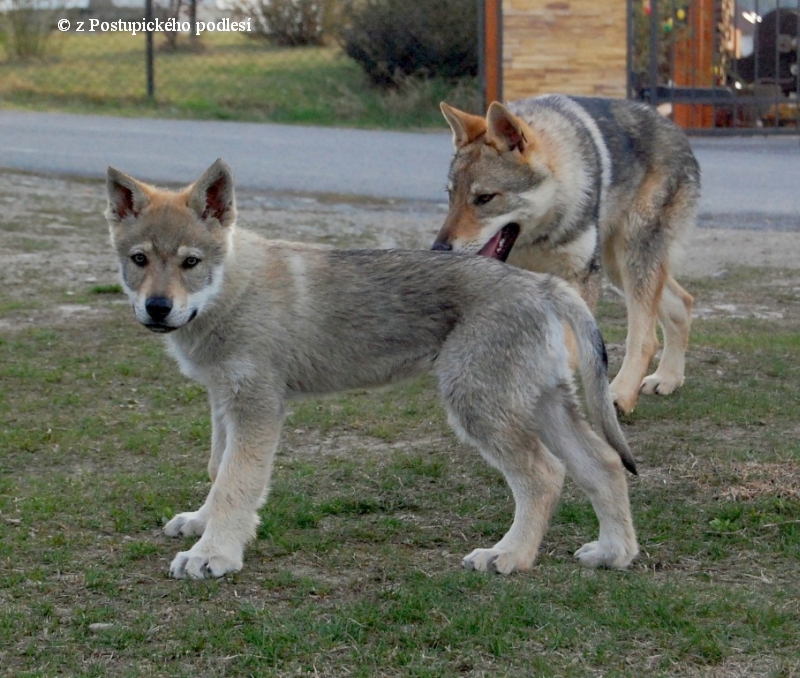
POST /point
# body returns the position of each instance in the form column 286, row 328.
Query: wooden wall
column 565, row 46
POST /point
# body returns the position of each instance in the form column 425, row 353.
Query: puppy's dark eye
column 139, row 259
column 484, row 198
column 190, row 262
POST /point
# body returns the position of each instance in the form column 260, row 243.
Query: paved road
column 748, row 182
column 271, row 157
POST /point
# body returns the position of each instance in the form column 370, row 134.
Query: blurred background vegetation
column 359, row 63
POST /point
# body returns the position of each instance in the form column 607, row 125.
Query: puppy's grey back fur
column 381, row 324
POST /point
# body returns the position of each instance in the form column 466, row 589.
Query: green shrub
column 393, row 40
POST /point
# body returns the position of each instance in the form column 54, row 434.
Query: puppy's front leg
column 193, row 523
column 253, row 429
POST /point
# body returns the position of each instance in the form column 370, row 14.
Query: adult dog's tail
column 594, row 373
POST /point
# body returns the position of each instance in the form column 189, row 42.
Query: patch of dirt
column 757, row 480
column 312, row 444
column 710, row 251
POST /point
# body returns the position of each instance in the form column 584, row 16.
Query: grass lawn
column 233, row 77
column 356, row 569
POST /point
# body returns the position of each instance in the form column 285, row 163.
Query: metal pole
column 654, row 30
column 797, row 67
column 629, row 51
column 499, row 48
column 148, row 17
column 193, row 21
column 490, row 46
column 482, row 52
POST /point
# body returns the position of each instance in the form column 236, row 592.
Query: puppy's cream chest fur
column 232, row 372
column 189, row 366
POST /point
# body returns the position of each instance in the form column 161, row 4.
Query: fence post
column 148, row 17
column 629, row 85
column 193, row 22
column 490, row 50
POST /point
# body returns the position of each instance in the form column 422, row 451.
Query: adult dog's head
column 500, row 183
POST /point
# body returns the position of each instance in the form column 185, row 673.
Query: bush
column 288, row 23
column 25, row 29
column 393, row 40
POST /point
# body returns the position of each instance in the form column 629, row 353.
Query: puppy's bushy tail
column 594, row 372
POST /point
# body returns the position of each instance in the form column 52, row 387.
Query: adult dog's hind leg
column 641, row 343
column 675, row 317
column 598, row 471
column 642, row 277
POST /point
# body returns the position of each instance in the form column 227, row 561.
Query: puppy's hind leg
column 598, row 471
column 535, row 477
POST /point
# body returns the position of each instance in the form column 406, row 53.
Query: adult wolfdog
column 562, row 184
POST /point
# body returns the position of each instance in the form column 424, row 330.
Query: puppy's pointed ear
column 212, row 196
column 466, row 127
column 126, row 196
column 505, row 130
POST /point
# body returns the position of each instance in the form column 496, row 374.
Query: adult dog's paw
column 189, row 524
column 494, row 560
column 596, row 554
column 197, row 563
column 659, row 384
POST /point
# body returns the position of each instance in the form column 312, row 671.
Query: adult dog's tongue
column 499, row 247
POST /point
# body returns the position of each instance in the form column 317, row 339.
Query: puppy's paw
column 595, row 554
column 494, row 560
column 201, row 563
column 189, row 524
column 659, row 384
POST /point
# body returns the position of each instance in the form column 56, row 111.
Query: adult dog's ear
column 466, row 127
column 504, row 129
column 126, row 197
column 212, row 196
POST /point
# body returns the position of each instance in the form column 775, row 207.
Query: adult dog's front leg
column 239, row 490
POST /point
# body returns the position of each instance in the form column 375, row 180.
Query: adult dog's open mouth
column 499, row 247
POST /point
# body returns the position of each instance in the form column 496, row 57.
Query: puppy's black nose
column 442, row 246
column 158, row 308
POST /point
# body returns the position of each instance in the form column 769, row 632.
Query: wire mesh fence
column 278, row 60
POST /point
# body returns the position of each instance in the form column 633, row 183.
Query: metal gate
column 717, row 66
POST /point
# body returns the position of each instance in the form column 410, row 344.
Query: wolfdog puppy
column 259, row 322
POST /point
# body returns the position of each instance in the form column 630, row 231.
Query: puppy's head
column 171, row 244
